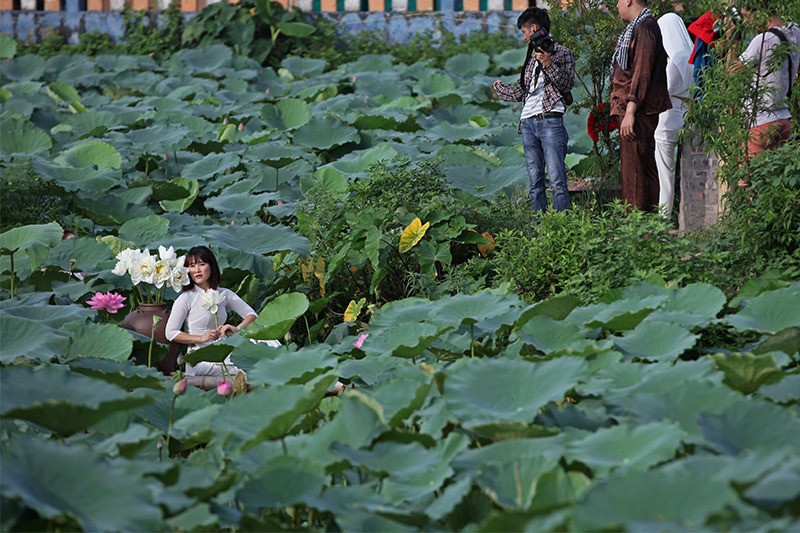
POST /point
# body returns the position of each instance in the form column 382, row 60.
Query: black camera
column 735, row 15
column 541, row 39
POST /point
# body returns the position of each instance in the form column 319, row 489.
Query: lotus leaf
column 750, row 425
column 144, row 230
column 27, row 338
column 286, row 114
column 293, row 367
column 27, row 67
column 747, row 372
column 778, row 487
column 192, row 189
column 467, row 64
column 74, row 402
column 304, row 67
column 210, row 166
column 118, row 373
column 623, row 314
column 88, row 182
column 275, row 319
column 656, row 495
column 511, row 484
column 96, row 154
column 82, row 254
column 283, row 481
column 785, row 391
column 488, row 390
column 35, row 240
column 325, row 133
column 104, row 341
column 234, row 205
column 8, row 47
column 656, row 341
column 52, row 316
column 549, row 335
column 76, row 481
column 24, row 138
column 208, row 59
column 769, row 312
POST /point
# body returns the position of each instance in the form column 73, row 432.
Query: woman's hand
column 227, row 329
column 209, row 335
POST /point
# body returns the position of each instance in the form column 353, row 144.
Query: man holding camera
column 544, row 89
column 638, row 96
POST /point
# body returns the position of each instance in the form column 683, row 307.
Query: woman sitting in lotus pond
column 203, row 305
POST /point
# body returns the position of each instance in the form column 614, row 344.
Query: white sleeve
column 237, row 305
column 180, row 309
column 759, row 47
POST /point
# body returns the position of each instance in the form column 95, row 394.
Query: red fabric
column 599, row 121
column 703, row 27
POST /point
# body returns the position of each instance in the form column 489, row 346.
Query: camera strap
column 780, row 35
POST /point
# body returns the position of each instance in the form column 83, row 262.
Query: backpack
column 780, row 35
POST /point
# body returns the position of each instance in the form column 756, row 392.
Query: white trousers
column 665, row 163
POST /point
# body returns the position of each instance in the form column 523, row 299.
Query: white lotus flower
column 125, row 260
column 179, row 276
column 168, row 255
column 161, row 273
column 143, row 269
column 211, row 300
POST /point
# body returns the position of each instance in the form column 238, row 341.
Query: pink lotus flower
column 109, row 301
column 179, row 387
column 224, row 388
column 241, row 126
column 360, row 342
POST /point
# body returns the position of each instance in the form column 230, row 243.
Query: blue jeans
column 544, row 141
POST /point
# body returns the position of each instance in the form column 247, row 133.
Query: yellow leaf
column 484, row 249
column 319, row 272
column 413, row 234
column 353, row 310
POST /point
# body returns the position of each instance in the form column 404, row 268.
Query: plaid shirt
column 559, row 78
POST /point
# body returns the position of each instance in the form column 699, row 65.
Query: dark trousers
column 638, row 162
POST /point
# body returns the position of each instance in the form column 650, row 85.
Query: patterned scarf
column 624, row 41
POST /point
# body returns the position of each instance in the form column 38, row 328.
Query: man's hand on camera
column 544, row 58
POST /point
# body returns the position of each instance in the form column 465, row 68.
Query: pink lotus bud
column 233, row 222
column 225, row 120
column 360, row 342
column 266, row 91
column 179, row 387
column 166, row 156
column 241, row 126
column 355, row 78
column 280, row 202
column 224, row 388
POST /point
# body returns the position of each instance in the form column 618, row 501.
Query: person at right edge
column 638, row 95
column 769, row 119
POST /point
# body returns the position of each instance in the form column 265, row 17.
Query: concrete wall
column 393, row 25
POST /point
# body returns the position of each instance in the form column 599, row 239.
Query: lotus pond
column 657, row 408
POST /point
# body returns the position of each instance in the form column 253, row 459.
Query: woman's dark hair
column 204, row 254
column 534, row 15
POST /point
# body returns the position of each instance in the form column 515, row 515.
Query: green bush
column 27, row 198
column 586, row 254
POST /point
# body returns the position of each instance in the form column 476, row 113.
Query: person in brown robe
column 638, row 95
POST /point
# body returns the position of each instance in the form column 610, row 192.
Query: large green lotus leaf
column 626, row 447
column 303, row 67
column 94, row 154
column 52, row 316
column 399, row 398
column 361, row 160
column 60, row 400
column 283, row 481
column 489, row 390
column 62, row 93
column 557, row 489
column 449, row 498
column 196, row 518
column 408, row 341
column 277, row 317
column 622, row 314
column 93, row 123
column 469, row 308
column 683, row 404
column 659, row 496
column 433, row 84
column 769, row 312
column 472, row 460
column 509, row 59
column 27, row 67
column 122, row 374
column 750, row 425
column 83, row 254
column 786, row 341
column 24, row 138
column 394, row 458
column 511, row 484
column 484, row 182
column 192, row 188
column 233, row 205
column 104, row 341
column 652, row 341
column 206, row 59
column 369, row 369
column 75, row 481
column 270, row 151
column 466, row 65
column 23, row 337
column 453, row 133
column 557, row 307
column 8, row 47
column 407, row 310
column 35, row 240
column 786, row 391
column 286, row 114
column 388, row 120
column 210, row 166
column 160, row 138
column 325, row 133
column 747, row 372
column 549, row 335
column 89, row 182
column 213, row 353
column 778, row 487
column 293, row 367
column 144, row 230
column 258, row 239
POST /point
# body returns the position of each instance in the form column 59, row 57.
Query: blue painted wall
column 393, row 26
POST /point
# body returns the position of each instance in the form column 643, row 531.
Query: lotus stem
column 171, row 416
column 13, row 274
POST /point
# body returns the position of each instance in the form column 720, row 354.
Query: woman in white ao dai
column 195, row 306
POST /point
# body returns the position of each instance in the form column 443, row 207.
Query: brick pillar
column 471, row 5
column 6, row 5
column 700, row 191
column 52, row 5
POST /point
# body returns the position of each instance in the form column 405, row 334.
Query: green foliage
column 586, row 254
column 34, row 200
column 147, row 35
